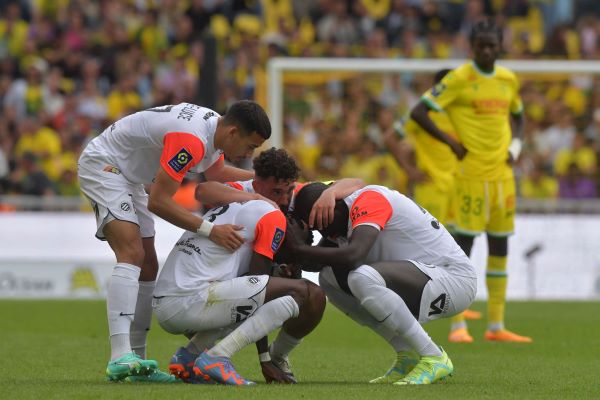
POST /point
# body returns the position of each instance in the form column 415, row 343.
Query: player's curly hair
column 276, row 163
column 485, row 26
column 250, row 117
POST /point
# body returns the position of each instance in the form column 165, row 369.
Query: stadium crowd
column 68, row 69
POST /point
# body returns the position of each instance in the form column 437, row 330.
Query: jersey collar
column 479, row 71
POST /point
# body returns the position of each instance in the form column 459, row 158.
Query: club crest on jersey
column 277, row 238
column 438, row 89
column 180, row 160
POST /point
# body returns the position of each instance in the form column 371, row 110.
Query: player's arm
column 321, row 214
column 420, row 114
column 347, row 257
column 161, row 203
column 517, row 123
column 403, row 152
column 217, row 194
column 225, row 173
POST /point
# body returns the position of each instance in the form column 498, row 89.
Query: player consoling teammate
column 157, row 146
column 483, row 103
column 390, row 265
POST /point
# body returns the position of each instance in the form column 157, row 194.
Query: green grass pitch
column 58, row 350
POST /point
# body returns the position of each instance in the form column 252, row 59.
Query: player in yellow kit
column 482, row 101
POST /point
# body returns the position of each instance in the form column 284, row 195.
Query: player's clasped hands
column 227, row 236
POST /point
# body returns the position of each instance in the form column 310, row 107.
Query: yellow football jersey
column 479, row 105
column 434, row 157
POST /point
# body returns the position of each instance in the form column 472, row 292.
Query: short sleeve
column 269, row 233
column 444, row 92
column 181, row 151
column 371, row 208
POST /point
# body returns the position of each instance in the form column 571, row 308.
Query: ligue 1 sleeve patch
column 277, row 238
column 180, row 160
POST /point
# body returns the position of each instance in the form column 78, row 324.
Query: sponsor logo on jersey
column 208, row 115
column 187, row 246
column 357, row 213
column 277, row 238
column 180, row 160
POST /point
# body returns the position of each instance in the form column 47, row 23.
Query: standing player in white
column 157, row 146
column 205, row 290
column 395, row 267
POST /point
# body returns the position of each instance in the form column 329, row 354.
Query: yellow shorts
column 434, row 200
column 485, row 206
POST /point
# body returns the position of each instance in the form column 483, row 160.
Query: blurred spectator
column 28, row 179
column 538, row 184
column 576, row 185
column 580, row 154
column 71, row 67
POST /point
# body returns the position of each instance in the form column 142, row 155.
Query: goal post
column 279, row 65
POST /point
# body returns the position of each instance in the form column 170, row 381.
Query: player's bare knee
column 316, row 297
column 131, row 254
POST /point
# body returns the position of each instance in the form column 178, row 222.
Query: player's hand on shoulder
column 227, row 235
column 273, row 373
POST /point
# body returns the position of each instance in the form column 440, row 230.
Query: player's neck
column 486, row 70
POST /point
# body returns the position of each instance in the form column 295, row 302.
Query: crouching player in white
column 393, row 267
column 211, row 293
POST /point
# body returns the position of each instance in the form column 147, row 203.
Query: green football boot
column 430, row 369
column 157, row 376
column 129, row 365
column 405, row 362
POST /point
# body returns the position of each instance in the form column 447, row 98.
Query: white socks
column 351, row 306
column 264, row 320
column 142, row 319
column 121, row 301
column 283, row 344
column 205, row 340
column 389, row 309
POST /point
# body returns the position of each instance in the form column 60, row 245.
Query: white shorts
column 445, row 294
column 221, row 305
column 112, row 196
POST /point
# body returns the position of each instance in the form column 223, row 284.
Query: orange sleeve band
column 269, row 233
column 235, row 185
column 370, row 208
column 181, row 151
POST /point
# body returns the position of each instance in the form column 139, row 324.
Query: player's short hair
column 440, row 75
column 305, row 199
column 250, row 117
column 276, row 163
column 485, row 26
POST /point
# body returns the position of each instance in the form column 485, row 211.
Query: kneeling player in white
column 392, row 267
column 209, row 292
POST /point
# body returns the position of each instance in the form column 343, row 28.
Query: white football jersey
column 195, row 261
column 408, row 231
column 180, row 138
